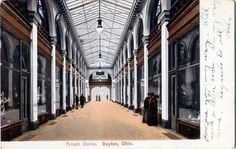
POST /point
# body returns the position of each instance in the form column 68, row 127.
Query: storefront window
column 44, row 85
column 58, row 87
column 132, row 87
column 14, row 93
column 188, row 94
column 187, row 82
column 154, row 84
column 140, row 84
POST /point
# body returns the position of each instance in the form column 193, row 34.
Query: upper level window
column 195, row 50
column 42, row 11
column 155, row 12
column 140, row 32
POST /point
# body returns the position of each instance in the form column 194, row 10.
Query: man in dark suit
column 82, row 100
column 77, row 101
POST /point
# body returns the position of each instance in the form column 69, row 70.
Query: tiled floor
column 99, row 121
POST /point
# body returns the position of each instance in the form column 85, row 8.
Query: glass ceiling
column 114, row 14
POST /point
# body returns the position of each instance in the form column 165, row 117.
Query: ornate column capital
column 63, row 52
column 129, row 61
column 164, row 16
column 145, row 40
column 135, row 52
column 34, row 17
column 53, row 40
column 70, row 61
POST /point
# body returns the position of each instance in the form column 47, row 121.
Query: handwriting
column 216, row 27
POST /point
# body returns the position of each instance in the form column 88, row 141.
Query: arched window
column 126, row 53
column 140, row 32
column 182, row 54
column 131, row 45
column 67, row 47
column 4, row 51
column 58, row 34
column 39, row 66
column 195, row 50
column 42, row 11
column 155, row 12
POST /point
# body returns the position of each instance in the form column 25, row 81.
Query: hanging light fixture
column 100, row 52
column 99, row 27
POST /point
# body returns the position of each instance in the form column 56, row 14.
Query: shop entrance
column 24, row 103
column 173, row 93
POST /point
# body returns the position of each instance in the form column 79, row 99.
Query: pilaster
column 145, row 43
column 34, row 72
column 135, row 102
column 64, row 82
column 53, row 78
column 164, row 69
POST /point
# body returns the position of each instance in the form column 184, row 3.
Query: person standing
column 152, row 112
column 146, row 106
column 77, row 101
column 82, row 100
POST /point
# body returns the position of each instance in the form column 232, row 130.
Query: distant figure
column 146, row 106
column 74, row 101
column 82, row 100
column 99, row 98
column 77, row 101
column 107, row 97
column 152, row 112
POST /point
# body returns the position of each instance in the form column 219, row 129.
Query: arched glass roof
column 114, row 15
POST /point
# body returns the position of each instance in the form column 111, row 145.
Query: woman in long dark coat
column 146, row 106
column 152, row 112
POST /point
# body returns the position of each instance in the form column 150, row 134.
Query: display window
column 15, row 76
column 184, row 84
column 154, row 73
column 44, row 84
column 59, row 88
column 140, row 85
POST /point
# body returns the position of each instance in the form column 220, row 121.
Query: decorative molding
column 145, row 40
column 135, row 52
column 164, row 16
column 53, row 40
column 100, row 67
column 19, row 27
column 34, row 17
column 64, row 53
column 136, row 8
column 186, row 20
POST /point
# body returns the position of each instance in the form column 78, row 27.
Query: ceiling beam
column 77, row 7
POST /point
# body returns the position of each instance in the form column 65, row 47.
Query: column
column 129, row 84
column 145, row 43
column 164, row 69
column 121, row 88
column 53, row 78
column 113, row 90
column 75, row 83
column 78, row 84
column 88, row 90
column 64, row 82
column 70, row 84
column 124, row 89
column 135, row 102
column 34, row 72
